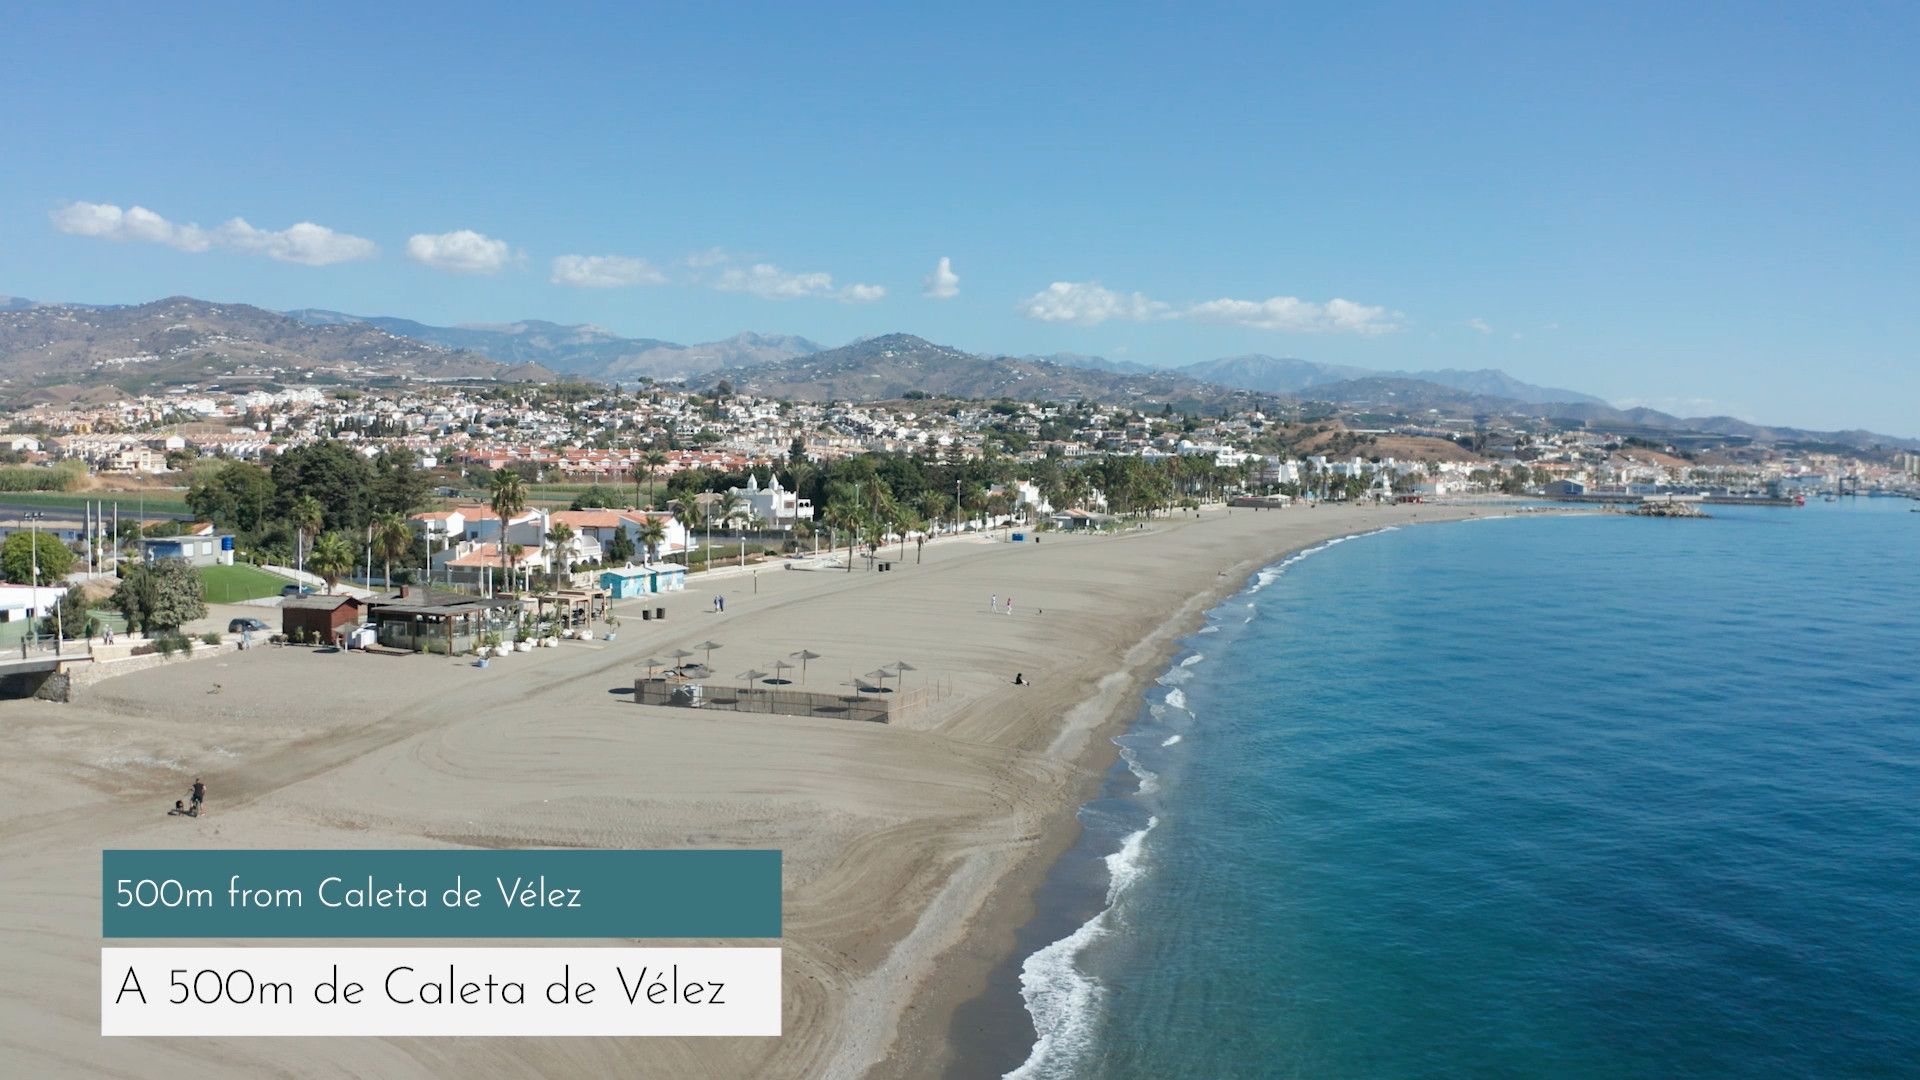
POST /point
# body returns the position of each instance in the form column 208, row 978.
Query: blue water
column 1536, row 797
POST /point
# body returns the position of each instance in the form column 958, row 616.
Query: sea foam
column 1063, row 1000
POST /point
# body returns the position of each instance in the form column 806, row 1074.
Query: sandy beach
column 911, row 849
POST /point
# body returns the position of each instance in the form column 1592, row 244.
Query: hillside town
column 569, row 434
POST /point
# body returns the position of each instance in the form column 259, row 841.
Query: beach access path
column 910, row 849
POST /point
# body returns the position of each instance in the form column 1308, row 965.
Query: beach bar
column 431, row 620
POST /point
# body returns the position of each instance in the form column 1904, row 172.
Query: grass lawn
column 227, row 584
column 165, row 502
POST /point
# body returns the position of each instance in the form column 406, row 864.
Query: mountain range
column 69, row 351
column 182, row 340
column 585, row 351
column 894, row 365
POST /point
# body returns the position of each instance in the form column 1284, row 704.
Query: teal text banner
column 440, row 894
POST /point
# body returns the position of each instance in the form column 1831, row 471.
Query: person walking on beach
column 1009, row 605
column 993, row 603
column 199, row 795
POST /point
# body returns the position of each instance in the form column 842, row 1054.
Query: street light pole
column 33, row 537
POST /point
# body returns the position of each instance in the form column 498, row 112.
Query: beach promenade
column 910, row 848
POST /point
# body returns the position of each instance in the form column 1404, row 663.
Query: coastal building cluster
column 578, row 434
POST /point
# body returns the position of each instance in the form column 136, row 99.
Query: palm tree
column 731, row 507
column 561, row 536
column 514, row 552
column 332, row 558
column 392, row 539
column 690, row 514
column 508, row 499
column 843, row 514
column 652, row 533
column 655, row 460
column 308, row 517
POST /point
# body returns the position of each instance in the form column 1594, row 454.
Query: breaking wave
column 1063, row 1000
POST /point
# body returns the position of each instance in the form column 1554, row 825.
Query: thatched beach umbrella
column 709, row 646
column 652, row 662
column 780, row 666
column 900, row 669
column 803, row 656
column 752, row 675
column 880, row 678
column 679, row 655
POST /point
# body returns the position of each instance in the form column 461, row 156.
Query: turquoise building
column 630, row 580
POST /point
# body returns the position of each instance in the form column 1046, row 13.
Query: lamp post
column 33, row 535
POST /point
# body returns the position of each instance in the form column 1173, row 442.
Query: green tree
column 71, row 618
column 308, row 517
column 561, row 537
column 507, row 497
column 392, row 539
column 619, row 549
column 596, row 497
column 332, row 558
column 18, row 558
column 332, row 474
column 160, row 595
column 652, row 534
column 236, row 495
column 399, row 485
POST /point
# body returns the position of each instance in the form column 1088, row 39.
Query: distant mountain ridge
column 583, row 350
column 182, row 340
column 893, row 365
column 1288, row 375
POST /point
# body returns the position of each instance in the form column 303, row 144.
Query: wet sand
column 912, row 850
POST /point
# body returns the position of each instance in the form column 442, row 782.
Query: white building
column 773, row 504
column 20, row 603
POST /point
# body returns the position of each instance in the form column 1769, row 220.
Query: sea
column 1535, row 796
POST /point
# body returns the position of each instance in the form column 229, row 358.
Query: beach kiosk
column 630, row 580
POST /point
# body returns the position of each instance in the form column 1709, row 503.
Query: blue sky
column 1698, row 208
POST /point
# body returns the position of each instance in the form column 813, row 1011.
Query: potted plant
column 613, row 626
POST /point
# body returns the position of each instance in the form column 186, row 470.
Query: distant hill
column 891, row 365
column 1271, row 374
column 1287, row 375
column 584, row 350
column 1095, row 363
column 183, row 340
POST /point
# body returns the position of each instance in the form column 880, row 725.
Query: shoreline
column 912, row 851
column 931, row 1018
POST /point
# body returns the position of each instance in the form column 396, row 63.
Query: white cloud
column 1477, row 323
column 134, row 225
column 769, row 282
column 604, row 272
column 943, row 283
column 305, row 243
column 1088, row 303
column 713, row 256
column 1294, row 315
column 462, row 251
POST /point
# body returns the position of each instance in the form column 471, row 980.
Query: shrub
column 210, row 637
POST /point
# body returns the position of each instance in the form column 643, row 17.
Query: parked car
column 236, row 626
column 293, row 589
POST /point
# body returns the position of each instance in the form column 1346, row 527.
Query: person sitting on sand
column 180, row 810
column 1020, row 679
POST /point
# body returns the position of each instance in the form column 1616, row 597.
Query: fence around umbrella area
column 782, row 701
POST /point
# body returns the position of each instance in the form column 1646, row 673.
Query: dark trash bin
column 645, row 615
column 660, row 613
